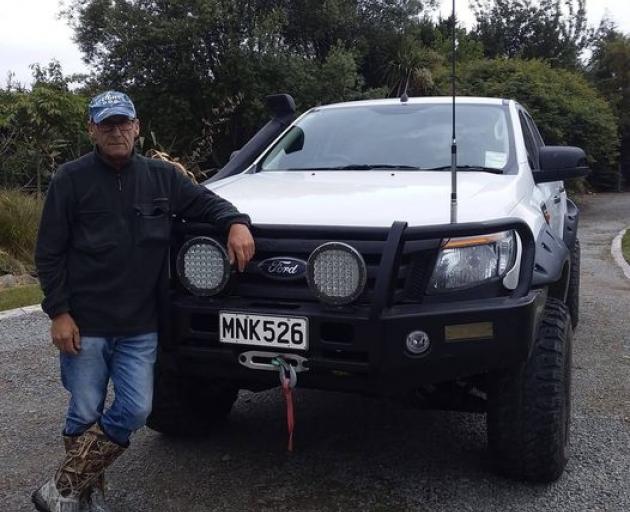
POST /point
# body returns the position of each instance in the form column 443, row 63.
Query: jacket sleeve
column 52, row 243
column 196, row 202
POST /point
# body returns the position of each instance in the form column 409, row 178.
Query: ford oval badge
column 283, row 268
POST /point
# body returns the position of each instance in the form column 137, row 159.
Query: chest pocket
column 94, row 231
column 152, row 222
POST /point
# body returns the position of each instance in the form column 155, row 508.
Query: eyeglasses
column 108, row 126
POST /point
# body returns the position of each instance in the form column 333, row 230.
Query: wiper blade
column 356, row 167
column 367, row 167
column 473, row 168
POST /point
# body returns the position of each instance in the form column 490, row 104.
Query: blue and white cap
column 111, row 103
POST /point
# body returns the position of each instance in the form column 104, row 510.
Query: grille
column 254, row 283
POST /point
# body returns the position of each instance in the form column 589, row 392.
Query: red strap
column 288, row 395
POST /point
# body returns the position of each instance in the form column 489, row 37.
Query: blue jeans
column 128, row 362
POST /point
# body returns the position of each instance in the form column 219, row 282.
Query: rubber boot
column 93, row 499
column 86, row 460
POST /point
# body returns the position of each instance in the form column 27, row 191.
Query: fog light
column 418, row 342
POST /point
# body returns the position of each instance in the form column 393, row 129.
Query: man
column 102, row 250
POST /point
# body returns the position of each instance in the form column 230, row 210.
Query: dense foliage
column 199, row 70
column 182, row 60
column 555, row 30
column 609, row 70
column 40, row 128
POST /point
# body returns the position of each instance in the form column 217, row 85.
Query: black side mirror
column 559, row 163
column 296, row 140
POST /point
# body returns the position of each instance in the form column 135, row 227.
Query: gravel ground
column 353, row 453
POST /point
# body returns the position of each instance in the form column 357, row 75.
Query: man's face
column 115, row 136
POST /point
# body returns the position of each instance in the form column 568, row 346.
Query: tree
column 40, row 128
column 411, row 69
column 468, row 48
column 609, row 70
column 555, row 30
column 180, row 59
column 566, row 108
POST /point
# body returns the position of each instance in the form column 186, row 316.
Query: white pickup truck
column 361, row 282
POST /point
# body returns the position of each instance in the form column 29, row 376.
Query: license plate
column 264, row 330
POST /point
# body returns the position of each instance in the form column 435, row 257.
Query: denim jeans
column 128, row 362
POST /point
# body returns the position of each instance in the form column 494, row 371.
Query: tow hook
column 259, row 360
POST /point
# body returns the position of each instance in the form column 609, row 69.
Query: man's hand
column 65, row 334
column 240, row 245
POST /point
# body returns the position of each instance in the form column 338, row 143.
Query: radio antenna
column 454, row 140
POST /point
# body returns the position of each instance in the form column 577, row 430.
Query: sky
column 31, row 32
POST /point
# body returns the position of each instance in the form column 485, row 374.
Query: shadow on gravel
column 350, row 453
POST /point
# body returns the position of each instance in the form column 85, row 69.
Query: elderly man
column 101, row 250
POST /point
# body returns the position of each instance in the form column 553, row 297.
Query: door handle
column 556, row 199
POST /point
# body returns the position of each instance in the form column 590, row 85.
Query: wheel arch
column 571, row 220
column 552, row 264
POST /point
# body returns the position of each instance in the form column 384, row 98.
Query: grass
column 625, row 246
column 20, row 296
column 19, row 220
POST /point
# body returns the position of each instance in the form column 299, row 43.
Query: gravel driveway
column 353, row 453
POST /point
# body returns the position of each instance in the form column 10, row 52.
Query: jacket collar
column 98, row 157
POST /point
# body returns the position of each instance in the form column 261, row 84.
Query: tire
column 188, row 406
column 529, row 406
column 573, row 295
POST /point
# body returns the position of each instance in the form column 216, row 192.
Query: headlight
column 203, row 266
column 336, row 273
column 469, row 261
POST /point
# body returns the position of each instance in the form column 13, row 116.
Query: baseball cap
column 111, row 103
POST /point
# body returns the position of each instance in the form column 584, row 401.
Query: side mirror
column 296, row 140
column 559, row 163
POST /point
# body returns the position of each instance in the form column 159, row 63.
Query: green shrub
column 40, row 128
column 19, row 220
column 625, row 246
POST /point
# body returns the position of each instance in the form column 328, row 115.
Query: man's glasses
column 124, row 125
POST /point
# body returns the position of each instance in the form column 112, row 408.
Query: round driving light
column 418, row 342
column 203, row 266
column 336, row 273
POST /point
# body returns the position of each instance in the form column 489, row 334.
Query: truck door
column 554, row 196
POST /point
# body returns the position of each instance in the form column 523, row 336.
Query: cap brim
column 113, row 111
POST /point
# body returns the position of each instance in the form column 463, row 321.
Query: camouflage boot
column 93, row 498
column 88, row 457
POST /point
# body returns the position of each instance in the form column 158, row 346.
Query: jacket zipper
column 119, row 182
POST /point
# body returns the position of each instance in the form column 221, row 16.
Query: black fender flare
column 552, row 264
column 571, row 220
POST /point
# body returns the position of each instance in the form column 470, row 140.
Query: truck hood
column 367, row 198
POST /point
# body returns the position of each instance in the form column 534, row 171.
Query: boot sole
column 39, row 505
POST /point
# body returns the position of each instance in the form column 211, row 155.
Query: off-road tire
column 573, row 295
column 529, row 406
column 188, row 406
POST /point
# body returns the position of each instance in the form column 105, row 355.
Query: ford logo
column 283, row 268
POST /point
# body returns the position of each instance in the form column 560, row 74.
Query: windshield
column 405, row 136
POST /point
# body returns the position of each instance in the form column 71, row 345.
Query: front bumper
column 349, row 350
column 361, row 348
